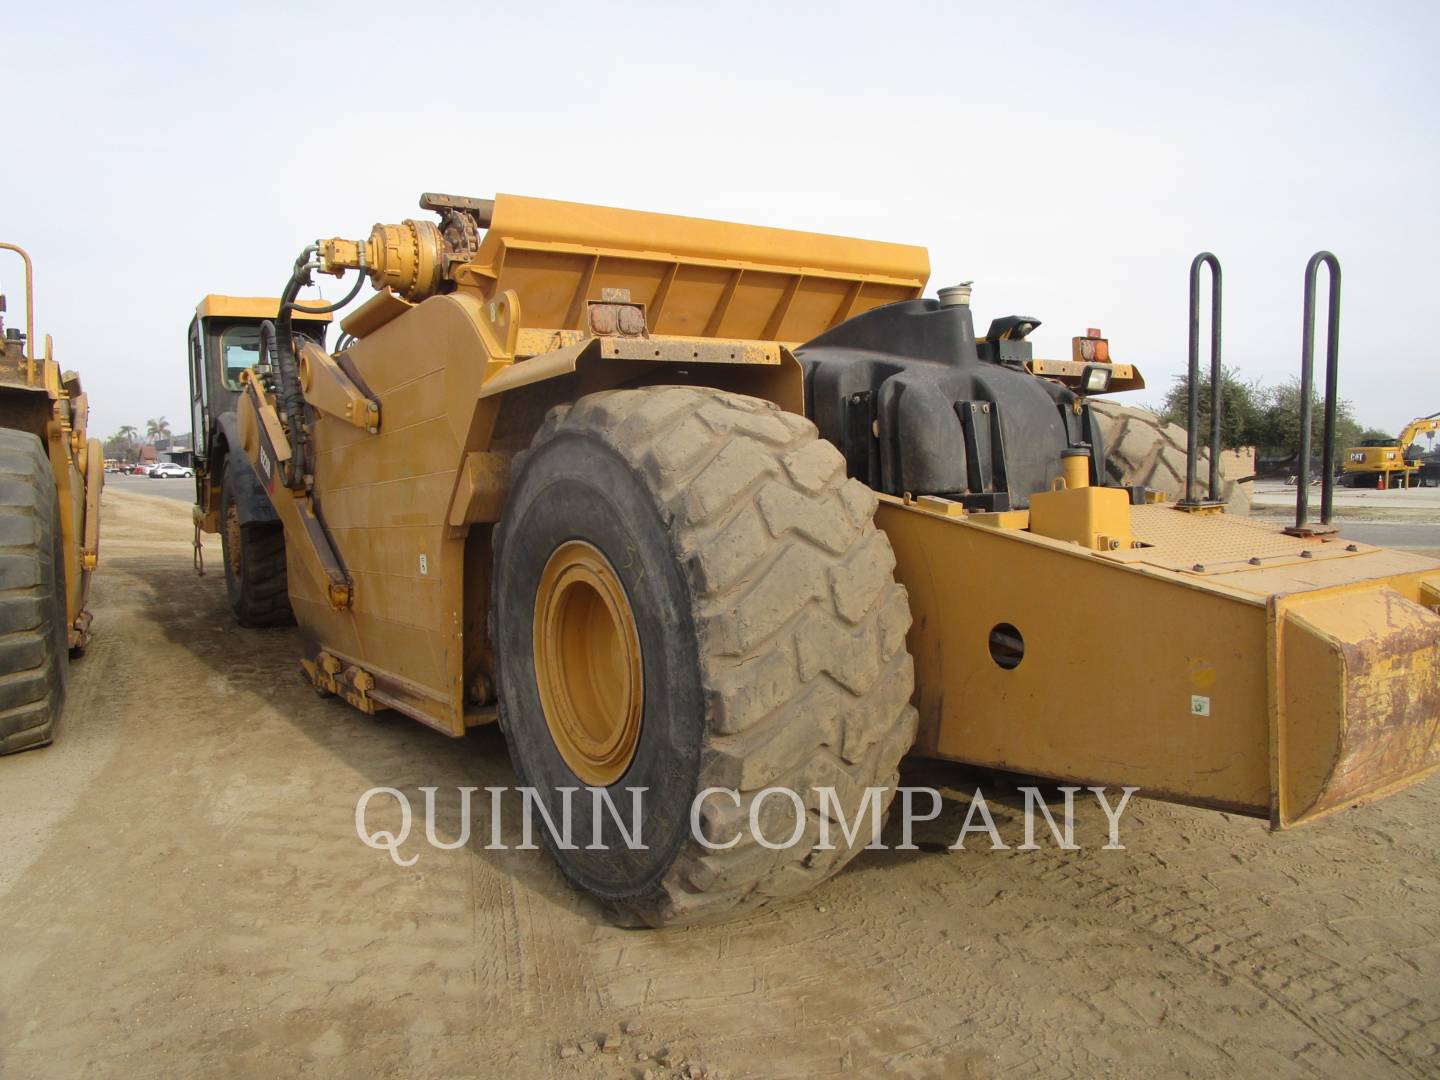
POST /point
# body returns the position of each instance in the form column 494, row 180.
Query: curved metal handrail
column 1307, row 382
column 1217, row 396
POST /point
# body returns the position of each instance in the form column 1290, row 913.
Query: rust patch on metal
column 1391, row 707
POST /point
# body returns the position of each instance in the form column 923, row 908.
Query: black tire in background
column 1140, row 448
column 254, row 557
column 34, row 634
column 771, row 630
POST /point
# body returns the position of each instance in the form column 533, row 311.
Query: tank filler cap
column 955, row 295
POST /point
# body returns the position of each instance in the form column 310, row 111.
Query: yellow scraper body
column 1222, row 664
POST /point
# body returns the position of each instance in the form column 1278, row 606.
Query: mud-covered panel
column 1361, row 699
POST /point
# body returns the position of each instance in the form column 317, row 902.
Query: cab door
column 199, row 414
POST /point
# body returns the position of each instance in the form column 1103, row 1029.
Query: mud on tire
column 254, row 555
column 34, row 634
column 771, row 628
column 1140, row 448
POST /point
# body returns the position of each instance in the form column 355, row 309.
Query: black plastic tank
column 917, row 406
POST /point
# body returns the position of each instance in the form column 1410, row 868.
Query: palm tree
column 155, row 430
column 126, row 437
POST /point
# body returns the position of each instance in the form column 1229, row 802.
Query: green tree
column 121, row 445
column 155, row 430
column 1244, row 405
column 1279, row 432
column 1377, row 436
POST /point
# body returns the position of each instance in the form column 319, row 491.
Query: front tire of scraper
column 771, row 635
column 256, row 580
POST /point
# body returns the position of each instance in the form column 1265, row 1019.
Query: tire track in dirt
column 238, row 860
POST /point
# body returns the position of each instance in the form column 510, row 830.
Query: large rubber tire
column 34, row 632
column 1140, row 448
column 254, row 556
column 770, row 624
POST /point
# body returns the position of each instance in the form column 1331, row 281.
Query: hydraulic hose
column 354, row 292
column 278, row 339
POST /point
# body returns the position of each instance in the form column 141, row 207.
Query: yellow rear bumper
column 1224, row 665
column 1357, row 702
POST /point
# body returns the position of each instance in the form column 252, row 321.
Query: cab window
column 239, row 351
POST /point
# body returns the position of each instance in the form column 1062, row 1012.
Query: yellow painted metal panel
column 385, row 497
column 581, row 225
column 1279, row 691
column 695, row 277
column 1095, row 517
column 251, row 307
column 1113, row 659
column 1360, row 698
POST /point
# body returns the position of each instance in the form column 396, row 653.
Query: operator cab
column 224, row 342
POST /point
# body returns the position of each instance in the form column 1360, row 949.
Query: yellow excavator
column 690, row 507
column 1383, row 464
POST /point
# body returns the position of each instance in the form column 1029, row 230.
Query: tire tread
column 34, row 637
column 800, row 620
column 1141, row 448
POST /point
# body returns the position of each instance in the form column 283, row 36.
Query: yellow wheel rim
column 587, row 663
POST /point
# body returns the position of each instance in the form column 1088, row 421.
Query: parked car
column 167, row 470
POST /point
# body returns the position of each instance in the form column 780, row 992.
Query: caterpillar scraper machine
column 570, row 468
column 50, row 480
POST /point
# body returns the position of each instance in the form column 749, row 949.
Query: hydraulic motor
column 413, row 259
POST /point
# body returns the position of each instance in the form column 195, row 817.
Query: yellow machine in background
column 223, row 344
column 1385, row 464
column 50, row 480
column 615, row 478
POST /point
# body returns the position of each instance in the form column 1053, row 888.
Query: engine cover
column 917, row 406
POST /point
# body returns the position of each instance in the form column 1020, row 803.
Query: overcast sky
column 1071, row 159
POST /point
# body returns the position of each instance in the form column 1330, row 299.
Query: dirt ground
column 182, row 893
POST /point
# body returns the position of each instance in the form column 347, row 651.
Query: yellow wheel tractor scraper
column 51, row 474
column 570, row 467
